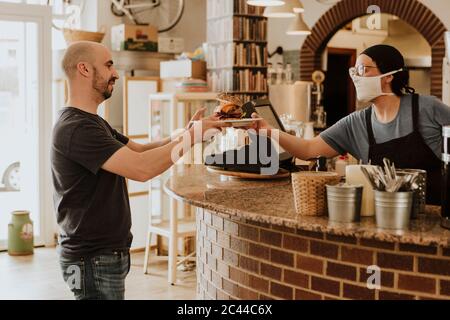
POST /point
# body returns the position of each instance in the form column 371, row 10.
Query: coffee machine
column 445, row 213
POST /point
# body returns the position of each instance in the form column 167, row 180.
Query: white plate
column 241, row 122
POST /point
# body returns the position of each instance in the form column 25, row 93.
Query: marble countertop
column 272, row 201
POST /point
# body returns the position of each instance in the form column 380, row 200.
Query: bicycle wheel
column 165, row 14
column 117, row 12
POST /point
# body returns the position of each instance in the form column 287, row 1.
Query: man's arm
column 151, row 163
column 143, row 166
column 138, row 147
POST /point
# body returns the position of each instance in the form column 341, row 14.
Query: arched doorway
column 411, row 11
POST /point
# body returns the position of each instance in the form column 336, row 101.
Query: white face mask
column 369, row 88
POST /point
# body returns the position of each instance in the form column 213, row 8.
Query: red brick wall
column 411, row 11
column 241, row 259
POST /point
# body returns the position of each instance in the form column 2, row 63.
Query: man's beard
column 101, row 86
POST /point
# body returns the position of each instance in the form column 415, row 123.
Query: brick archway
column 411, row 11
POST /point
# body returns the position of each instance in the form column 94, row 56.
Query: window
column 25, row 111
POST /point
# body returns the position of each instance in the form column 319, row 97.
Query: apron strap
column 415, row 112
column 369, row 126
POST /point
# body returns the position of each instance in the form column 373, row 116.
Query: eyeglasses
column 359, row 70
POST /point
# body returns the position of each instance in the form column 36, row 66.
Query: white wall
column 348, row 39
column 105, row 19
column 192, row 26
column 314, row 10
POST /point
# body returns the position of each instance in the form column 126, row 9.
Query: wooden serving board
column 282, row 173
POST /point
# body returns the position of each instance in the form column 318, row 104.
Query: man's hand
column 199, row 115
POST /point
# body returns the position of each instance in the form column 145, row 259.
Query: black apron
column 408, row 152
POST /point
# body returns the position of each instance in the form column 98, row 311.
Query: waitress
column 399, row 125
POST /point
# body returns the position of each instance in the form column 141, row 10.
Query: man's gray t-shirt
column 92, row 206
column 350, row 133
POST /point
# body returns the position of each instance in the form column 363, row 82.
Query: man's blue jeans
column 100, row 277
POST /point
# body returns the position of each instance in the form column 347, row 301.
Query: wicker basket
column 71, row 35
column 310, row 191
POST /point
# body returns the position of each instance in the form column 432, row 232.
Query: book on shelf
column 250, row 54
column 225, row 8
column 220, row 55
column 236, row 29
column 219, row 8
column 245, row 28
column 237, row 80
column 219, row 31
column 241, row 7
column 248, row 80
column 229, row 55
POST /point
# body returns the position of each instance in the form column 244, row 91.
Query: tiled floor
column 38, row 277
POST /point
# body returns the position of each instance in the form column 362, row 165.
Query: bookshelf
column 237, row 48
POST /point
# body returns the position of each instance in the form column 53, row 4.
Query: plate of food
column 230, row 111
column 241, row 122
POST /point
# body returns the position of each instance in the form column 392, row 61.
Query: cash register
column 248, row 157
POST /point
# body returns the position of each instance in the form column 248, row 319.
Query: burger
column 229, row 108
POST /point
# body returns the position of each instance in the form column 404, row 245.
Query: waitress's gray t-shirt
column 350, row 133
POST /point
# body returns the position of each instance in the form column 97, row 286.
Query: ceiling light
column 298, row 8
column 284, row 11
column 265, row 3
column 298, row 27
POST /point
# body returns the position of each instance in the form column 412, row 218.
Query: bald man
column 90, row 161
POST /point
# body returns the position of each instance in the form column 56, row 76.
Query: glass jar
column 270, row 74
column 288, row 74
column 299, row 128
column 320, row 118
column 280, row 73
column 308, row 132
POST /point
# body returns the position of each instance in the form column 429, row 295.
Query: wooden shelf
column 218, row 18
column 248, row 92
column 237, row 41
column 139, row 60
column 240, row 15
column 236, row 67
column 251, row 41
column 249, row 16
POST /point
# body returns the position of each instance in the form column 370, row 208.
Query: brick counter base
column 241, row 259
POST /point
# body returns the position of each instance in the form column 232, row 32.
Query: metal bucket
column 393, row 209
column 344, row 203
column 420, row 195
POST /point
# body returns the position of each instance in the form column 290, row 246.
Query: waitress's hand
column 260, row 124
column 207, row 127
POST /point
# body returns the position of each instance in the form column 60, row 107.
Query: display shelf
column 237, row 48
